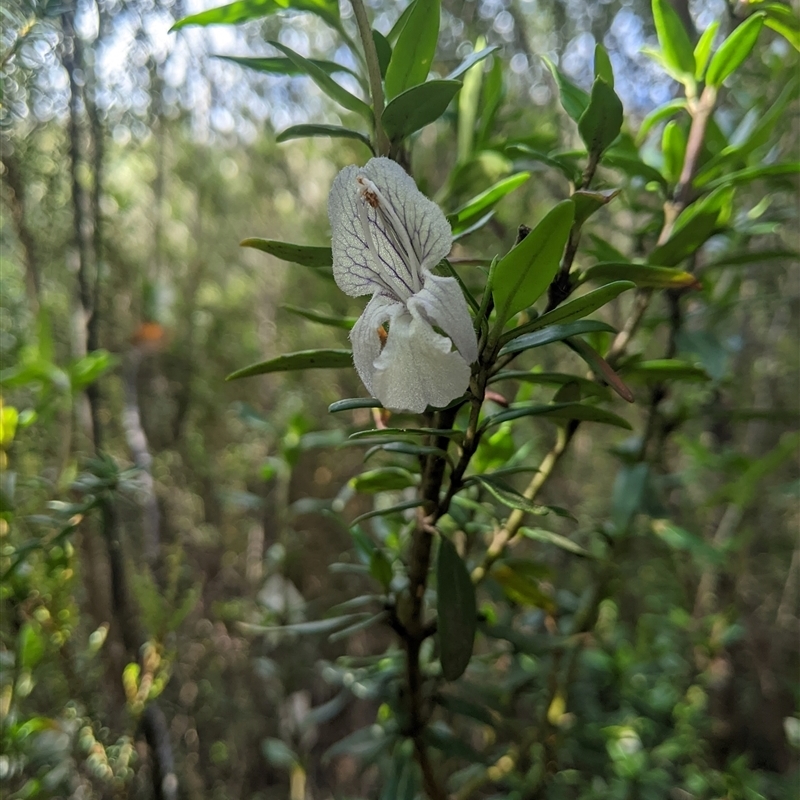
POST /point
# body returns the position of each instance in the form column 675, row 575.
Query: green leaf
column 326, row 83
column 510, row 497
column 600, row 367
column 383, row 50
column 385, row 512
column 692, row 228
column 568, row 167
column 601, row 122
column 523, row 274
column 277, row 65
column 563, row 412
column 602, row 65
column 457, row 612
column 450, row 433
column 587, row 202
column 296, row 253
column 352, row 403
column 664, row 369
column 415, row 48
column 734, row 50
column 548, row 537
column 312, row 627
column 573, row 99
column 554, row 333
column 756, row 257
column 586, row 386
column 659, row 115
column 468, row 101
column 783, row 21
column 30, row 646
column 631, row 165
column 575, row 309
column 491, row 98
column 400, row 23
column 417, row 107
column 381, row 568
column 310, row 130
column 486, row 199
column 346, row 323
column 628, row 494
column 754, row 173
column 702, row 50
column 470, row 61
column 246, row 10
column 304, row 359
column 278, row 754
column 680, row 539
column 673, row 38
column 673, row 146
column 383, row 479
column 520, row 581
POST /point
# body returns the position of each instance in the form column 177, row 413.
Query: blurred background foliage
column 154, row 518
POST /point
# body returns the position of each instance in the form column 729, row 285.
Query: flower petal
column 417, row 367
column 386, row 234
column 442, row 303
column 366, row 339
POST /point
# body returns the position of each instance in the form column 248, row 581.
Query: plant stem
column 374, row 72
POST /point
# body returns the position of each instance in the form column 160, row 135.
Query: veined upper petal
column 386, row 235
column 442, row 303
column 418, row 367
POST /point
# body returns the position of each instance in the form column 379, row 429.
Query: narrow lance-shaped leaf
column 304, row 359
column 306, row 255
column 659, row 115
column 644, row 276
column 602, row 65
column 326, row 83
column 554, row 333
column 312, row 130
column 702, row 50
column 487, row 198
column 673, row 38
column 246, row 10
column 523, row 274
column 416, row 45
column 457, row 611
column 383, row 50
column 734, row 50
column 673, row 147
column 279, row 65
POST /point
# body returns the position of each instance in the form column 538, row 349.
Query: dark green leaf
column 246, row 10
column 383, row 479
column 573, row 99
column 306, row 628
column 356, row 627
column 575, row 309
column 587, row 386
column 406, row 448
column 587, row 202
column 566, row 166
column 555, row 333
column 601, row 123
column 383, row 50
column 602, row 65
column 628, row 494
column 310, row 130
column 664, row 369
column 470, row 61
column 277, row 65
column 415, row 48
column 346, row 323
column 380, row 568
column 734, row 50
column 326, row 83
column 754, row 173
column 673, row 39
column 365, row 744
column 352, row 403
column 507, row 495
column 548, row 537
column 756, row 257
column 659, row 115
column 305, row 359
column 563, row 412
column 673, row 147
column 30, row 645
column 521, row 585
column 631, row 165
column 486, row 199
column 385, row 512
column 457, row 611
column 417, row 107
column 600, row 367
column 296, row 253
column 447, row 432
column 643, row 275
column 399, row 24
column 702, row 50
column 524, row 274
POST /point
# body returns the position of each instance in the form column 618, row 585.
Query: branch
column 374, row 72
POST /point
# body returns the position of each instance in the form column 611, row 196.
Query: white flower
column 387, row 236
